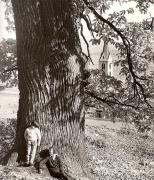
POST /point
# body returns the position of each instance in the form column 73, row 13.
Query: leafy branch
column 109, row 102
column 88, row 51
column 14, row 68
column 86, row 18
column 137, row 85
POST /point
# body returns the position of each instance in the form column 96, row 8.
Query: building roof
column 105, row 53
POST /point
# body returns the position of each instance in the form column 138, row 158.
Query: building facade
column 105, row 60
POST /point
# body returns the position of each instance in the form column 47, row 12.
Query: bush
column 7, row 136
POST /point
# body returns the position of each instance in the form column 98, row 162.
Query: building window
column 103, row 66
column 109, row 73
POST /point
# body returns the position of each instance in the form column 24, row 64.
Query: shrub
column 7, row 136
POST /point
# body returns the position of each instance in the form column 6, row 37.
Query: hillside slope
column 112, row 154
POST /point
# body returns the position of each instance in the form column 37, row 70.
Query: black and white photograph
column 76, row 89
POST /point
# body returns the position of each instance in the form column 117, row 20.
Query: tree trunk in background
column 50, row 70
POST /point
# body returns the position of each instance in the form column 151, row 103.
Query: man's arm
column 38, row 137
column 60, row 164
column 25, row 135
column 41, row 164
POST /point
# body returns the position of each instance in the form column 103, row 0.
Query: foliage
column 103, row 86
column 122, row 36
column 137, row 87
column 9, row 15
column 7, row 136
column 109, row 95
column 142, row 54
column 8, row 73
column 142, row 122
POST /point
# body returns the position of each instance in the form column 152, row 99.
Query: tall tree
column 50, row 67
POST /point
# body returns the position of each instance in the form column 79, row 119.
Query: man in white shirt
column 33, row 139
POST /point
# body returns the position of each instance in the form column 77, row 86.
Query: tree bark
column 50, row 68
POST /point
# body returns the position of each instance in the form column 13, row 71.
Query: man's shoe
column 26, row 164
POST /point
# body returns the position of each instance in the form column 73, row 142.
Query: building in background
column 104, row 56
column 105, row 60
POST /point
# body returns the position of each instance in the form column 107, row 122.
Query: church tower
column 105, row 60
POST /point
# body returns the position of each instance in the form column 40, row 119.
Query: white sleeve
column 38, row 137
column 25, row 134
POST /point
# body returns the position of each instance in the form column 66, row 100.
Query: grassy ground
column 115, row 154
column 112, row 155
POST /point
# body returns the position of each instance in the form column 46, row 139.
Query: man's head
column 47, row 152
column 44, row 153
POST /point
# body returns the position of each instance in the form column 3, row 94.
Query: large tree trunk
column 50, row 70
